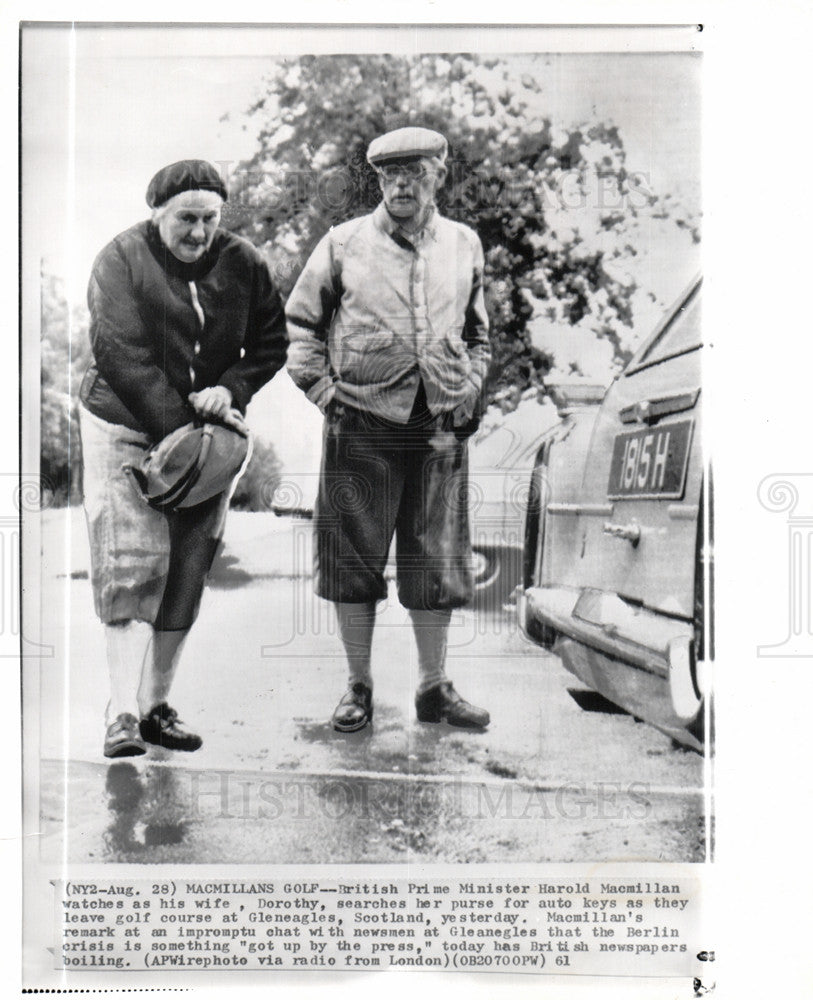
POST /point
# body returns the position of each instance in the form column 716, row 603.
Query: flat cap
column 185, row 175
column 406, row 142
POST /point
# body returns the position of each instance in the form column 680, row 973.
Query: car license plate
column 651, row 463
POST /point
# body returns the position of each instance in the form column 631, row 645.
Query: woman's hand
column 215, row 402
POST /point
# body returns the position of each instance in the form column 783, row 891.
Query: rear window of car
column 681, row 335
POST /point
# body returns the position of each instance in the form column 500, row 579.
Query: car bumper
column 635, row 657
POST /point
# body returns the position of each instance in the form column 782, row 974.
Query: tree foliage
column 65, row 354
column 558, row 212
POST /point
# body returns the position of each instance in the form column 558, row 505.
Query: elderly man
column 185, row 325
column 389, row 338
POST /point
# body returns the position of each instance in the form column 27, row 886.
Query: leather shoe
column 122, row 738
column 443, row 704
column 354, row 710
column 162, row 727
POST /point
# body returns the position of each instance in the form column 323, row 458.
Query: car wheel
column 496, row 571
column 534, row 539
column 485, row 568
column 535, row 517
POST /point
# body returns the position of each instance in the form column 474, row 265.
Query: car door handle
column 648, row 411
column 631, row 532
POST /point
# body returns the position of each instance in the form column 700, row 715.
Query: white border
column 758, row 218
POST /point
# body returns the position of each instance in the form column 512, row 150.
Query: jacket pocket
column 454, row 342
column 364, row 355
column 456, row 356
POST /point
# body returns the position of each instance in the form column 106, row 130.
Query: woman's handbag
column 190, row 465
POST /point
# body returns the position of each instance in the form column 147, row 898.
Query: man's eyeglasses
column 411, row 171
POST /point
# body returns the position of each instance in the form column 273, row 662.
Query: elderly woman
column 185, row 324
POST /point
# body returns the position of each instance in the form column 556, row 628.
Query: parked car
column 616, row 563
column 501, row 455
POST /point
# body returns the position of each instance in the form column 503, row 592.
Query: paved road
column 558, row 776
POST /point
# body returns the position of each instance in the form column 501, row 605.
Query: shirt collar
column 172, row 265
column 390, row 226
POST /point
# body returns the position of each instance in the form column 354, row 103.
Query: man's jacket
column 375, row 311
column 160, row 328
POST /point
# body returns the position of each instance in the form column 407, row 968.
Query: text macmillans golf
column 523, row 925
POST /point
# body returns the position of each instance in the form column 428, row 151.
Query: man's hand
column 328, row 402
column 215, row 403
column 462, row 414
column 464, row 418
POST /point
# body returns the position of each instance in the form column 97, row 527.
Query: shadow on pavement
column 592, row 701
column 227, row 574
column 323, row 732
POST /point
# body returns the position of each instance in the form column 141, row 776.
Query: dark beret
column 185, row 175
column 405, row 143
